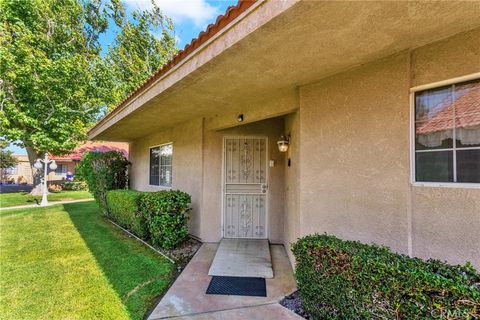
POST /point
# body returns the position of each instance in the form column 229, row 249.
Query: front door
column 245, row 187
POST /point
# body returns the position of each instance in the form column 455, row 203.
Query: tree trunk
column 36, row 174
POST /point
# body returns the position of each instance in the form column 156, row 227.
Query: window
column 161, row 165
column 447, row 134
column 11, row 170
column 61, row 169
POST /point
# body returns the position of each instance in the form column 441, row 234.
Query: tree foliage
column 145, row 43
column 7, row 160
column 55, row 79
column 51, row 84
column 103, row 171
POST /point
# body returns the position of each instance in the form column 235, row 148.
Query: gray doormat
column 238, row 286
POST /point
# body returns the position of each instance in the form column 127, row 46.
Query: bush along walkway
column 349, row 280
column 159, row 219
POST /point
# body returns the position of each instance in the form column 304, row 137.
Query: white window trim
column 154, row 185
column 413, row 90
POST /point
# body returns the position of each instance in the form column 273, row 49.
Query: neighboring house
column 21, row 173
column 377, row 101
column 66, row 164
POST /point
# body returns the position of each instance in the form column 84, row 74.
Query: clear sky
column 189, row 17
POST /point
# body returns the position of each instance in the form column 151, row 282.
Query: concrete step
column 242, row 258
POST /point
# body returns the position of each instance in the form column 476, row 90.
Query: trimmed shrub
column 166, row 216
column 350, row 280
column 75, row 185
column 103, row 171
column 55, row 187
column 123, row 209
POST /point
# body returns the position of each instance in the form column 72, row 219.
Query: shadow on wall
column 137, row 275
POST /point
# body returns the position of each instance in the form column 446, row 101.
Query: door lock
column 264, row 188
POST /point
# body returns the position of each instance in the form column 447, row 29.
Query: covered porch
column 335, row 77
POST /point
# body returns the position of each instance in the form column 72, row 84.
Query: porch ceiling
column 304, row 42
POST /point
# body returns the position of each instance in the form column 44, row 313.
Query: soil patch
column 294, row 302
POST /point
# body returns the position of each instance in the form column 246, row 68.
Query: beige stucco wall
column 24, row 172
column 187, row 140
column 292, row 214
column 446, row 221
column 53, row 176
column 197, row 169
column 354, row 141
column 198, row 161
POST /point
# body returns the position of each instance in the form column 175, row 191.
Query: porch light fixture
column 240, row 117
column 283, row 143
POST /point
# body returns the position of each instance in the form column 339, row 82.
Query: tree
column 145, row 41
column 7, row 160
column 54, row 78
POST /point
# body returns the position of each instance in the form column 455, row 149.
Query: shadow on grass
column 136, row 273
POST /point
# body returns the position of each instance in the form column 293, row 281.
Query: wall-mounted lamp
column 283, row 143
column 240, row 117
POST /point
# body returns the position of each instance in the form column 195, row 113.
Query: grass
column 24, row 198
column 67, row 261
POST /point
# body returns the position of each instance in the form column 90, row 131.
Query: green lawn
column 24, row 198
column 68, row 262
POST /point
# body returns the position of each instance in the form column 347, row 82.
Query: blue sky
column 189, row 17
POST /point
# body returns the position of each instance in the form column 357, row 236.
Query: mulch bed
column 180, row 255
column 183, row 252
column 294, row 303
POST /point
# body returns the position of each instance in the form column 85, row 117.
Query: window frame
column 59, row 170
column 149, row 168
column 413, row 90
column 11, row 171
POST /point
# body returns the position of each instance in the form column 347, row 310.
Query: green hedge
column 123, row 209
column 160, row 216
column 103, row 171
column 75, row 185
column 166, row 216
column 350, row 280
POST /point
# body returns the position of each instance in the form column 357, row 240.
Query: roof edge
column 221, row 22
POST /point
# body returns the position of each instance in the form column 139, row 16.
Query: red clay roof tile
column 467, row 113
column 102, row 146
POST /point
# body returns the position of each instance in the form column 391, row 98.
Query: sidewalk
column 186, row 298
column 51, row 203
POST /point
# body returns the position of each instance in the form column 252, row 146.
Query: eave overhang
column 269, row 47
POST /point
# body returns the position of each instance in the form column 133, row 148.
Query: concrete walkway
column 186, row 298
column 242, row 258
column 51, row 203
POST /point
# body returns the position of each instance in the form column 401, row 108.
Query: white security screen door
column 245, row 188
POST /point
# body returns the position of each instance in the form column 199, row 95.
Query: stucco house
column 376, row 103
column 21, row 173
column 67, row 164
